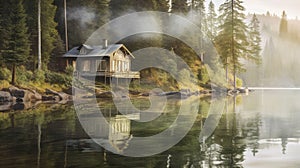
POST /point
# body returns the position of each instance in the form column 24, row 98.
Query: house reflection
column 112, row 132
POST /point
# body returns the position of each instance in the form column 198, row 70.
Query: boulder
column 50, row 98
column 21, row 95
column 107, row 95
column 5, row 106
column 5, row 97
column 36, row 96
column 61, row 95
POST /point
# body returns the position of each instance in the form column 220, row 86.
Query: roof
column 95, row 51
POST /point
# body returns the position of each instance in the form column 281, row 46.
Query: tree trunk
column 13, row 75
column 39, row 37
column 66, row 25
column 234, row 78
column 232, row 46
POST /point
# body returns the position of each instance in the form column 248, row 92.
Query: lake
column 258, row 130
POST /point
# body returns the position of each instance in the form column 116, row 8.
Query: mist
column 280, row 56
column 82, row 15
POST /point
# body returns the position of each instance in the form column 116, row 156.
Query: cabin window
column 119, row 66
column 101, row 65
column 86, row 65
column 126, row 66
column 113, row 65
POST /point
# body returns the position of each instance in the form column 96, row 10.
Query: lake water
column 258, row 130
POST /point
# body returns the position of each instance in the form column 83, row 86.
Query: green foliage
column 232, row 41
column 14, row 41
column 58, row 78
column 85, row 18
column 254, row 40
column 23, row 76
column 212, row 21
column 4, row 84
column 51, row 41
column 69, row 70
column 49, row 33
column 239, row 82
column 39, row 76
column 204, row 76
column 5, row 74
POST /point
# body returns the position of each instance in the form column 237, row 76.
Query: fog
column 280, row 56
column 82, row 15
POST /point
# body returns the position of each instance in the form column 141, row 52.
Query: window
column 86, row 65
column 113, row 65
column 101, row 65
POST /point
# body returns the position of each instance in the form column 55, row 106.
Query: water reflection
column 259, row 130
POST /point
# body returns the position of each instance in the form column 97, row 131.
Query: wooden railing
column 128, row 74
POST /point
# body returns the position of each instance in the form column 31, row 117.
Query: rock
column 36, row 96
column 5, row 96
column 204, row 91
column 145, row 94
column 134, row 92
column 106, row 95
column 246, row 91
column 50, row 98
column 5, row 106
column 61, row 95
column 21, row 95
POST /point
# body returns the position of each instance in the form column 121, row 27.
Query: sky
column 273, row 6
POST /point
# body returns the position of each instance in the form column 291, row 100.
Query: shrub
column 22, row 75
column 239, row 82
column 39, row 76
column 5, row 74
column 4, row 84
column 58, row 78
column 69, row 70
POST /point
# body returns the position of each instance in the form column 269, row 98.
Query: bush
column 39, row 76
column 69, row 70
column 4, row 84
column 5, row 74
column 239, row 82
column 58, row 78
column 22, row 75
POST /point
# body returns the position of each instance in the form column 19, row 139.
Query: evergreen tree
column 283, row 29
column 49, row 32
column 212, row 21
column 31, row 8
column 15, row 48
column 231, row 41
column 180, row 6
column 255, row 39
column 85, row 17
column 50, row 39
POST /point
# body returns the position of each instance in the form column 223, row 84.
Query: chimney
column 105, row 43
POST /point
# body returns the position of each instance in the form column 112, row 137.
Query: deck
column 125, row 75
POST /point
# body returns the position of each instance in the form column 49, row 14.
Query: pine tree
column 15, row 49
column 254, row 39
column 283, row 29
column 231, row 41
column 49, row 32
column 212, row 22
column 85, row 17
column 31, row 8
column 50, row 39
column 180, row 6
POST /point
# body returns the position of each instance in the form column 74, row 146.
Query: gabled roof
column 95, row 51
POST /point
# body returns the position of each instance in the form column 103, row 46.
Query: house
column 104, row 61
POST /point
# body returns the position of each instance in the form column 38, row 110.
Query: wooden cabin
column 106, row 61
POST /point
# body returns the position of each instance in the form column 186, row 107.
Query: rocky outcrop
column 62, row 96
column 23, row 95
column 5, row 97
column 105, row 95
